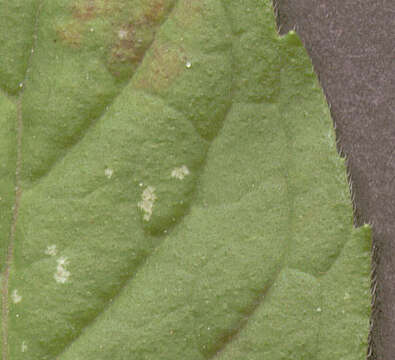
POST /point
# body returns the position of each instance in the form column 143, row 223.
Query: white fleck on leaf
column 180, row 173
column 108, row 172
column 146, row 204
column 61, row 274
column 122, row 34
column 16, row 298
column 24, row 346
column 51, row 250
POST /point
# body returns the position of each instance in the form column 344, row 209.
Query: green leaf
column 170, row 188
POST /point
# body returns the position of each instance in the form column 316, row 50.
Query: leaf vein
column 18, row 195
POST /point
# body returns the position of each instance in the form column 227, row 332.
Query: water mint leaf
column 171, row 189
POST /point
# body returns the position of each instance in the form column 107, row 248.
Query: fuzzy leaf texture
column 170, row 188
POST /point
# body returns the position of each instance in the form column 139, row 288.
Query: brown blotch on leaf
column 132, row 39
column 156, row 11
column 70, row 34
column 165, row 65
column 128, row 47
column 91, row 9
column 84, row 11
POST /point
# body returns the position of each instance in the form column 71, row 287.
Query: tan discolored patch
column 156, row 11
column 121, row 30
column 129, row 46
column 85, row 11
column 132, row 39
column 165, row 65
column 70, row 34
column 91, row 9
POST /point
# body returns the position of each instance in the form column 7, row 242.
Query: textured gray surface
column 352, row 46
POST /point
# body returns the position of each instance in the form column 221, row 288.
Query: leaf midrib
column 18, row 194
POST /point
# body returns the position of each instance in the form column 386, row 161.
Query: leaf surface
column 170, row 188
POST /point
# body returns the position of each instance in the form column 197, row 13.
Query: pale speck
column 122, row 34
column 51, row 250
column 17, row 315
column 92, row 29
column 20, row 85
column 63, row 261
column 141, row 184
column 108, row 172
column 16, row 298
column 62, row 275
column 146, row 204
column 347, row 296
column 188, row 64
column 319, row 309
column 180, row 173
column 24, row 346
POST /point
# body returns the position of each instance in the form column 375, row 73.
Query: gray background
column 351, row 44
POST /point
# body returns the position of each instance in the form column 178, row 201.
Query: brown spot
column 125, row 31
column 91, row 9
column 156, row 11
column 128, row 47
column 165, row 65
column 70, row 34
column 84, row 11
column 132, row 39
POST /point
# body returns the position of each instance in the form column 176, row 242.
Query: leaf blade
column 156, row 216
